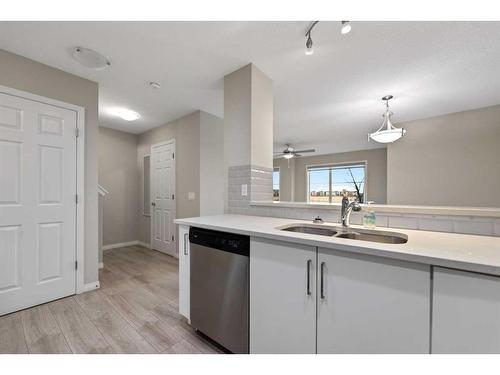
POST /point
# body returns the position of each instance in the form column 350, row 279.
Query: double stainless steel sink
column 348, row 233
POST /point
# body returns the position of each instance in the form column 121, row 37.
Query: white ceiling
column 329, row 100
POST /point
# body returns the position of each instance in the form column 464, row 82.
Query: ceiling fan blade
column 309, row 150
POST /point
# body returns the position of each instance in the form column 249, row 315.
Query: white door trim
column 80, row 176
column 170, row 141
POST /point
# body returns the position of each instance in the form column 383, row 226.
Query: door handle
column 322, row 286
column 309, row 263
column 185, row 243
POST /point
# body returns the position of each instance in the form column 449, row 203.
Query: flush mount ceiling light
column 90, row 58
column 126, row 114
column 387, row 133
column 346, row 28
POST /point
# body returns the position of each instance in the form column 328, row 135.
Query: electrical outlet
column 191, row 196
column 244, row 190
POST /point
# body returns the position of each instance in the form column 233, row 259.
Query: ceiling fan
column 290, row 152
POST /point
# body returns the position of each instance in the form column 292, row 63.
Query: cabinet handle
column 322, row 286
column 309, row 263
column 185, row 243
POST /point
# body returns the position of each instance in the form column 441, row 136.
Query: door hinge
column 76, row 264
column 173, row 155
column 173, row 238
column 173, row 196
column 76, row 198
column 77, row 132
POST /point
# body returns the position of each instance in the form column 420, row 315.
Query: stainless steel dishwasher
column 219, row 293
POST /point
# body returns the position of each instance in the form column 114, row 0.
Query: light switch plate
column 191, row 196
column 244, row 190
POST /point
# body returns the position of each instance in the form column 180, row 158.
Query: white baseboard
column 90, row 286
column 101, row 265
column 144, row 244
column 121, row 244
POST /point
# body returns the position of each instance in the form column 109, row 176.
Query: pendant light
column 387, row 133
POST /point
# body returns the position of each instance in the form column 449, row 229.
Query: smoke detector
column 154, row 85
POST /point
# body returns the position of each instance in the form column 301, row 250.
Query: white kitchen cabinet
column 466, row 312
column 184, row 271
column 372, row 304
column 282, row 297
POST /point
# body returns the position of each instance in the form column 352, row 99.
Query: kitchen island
column 436, row 293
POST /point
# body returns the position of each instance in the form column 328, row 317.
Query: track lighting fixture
column 346, row 28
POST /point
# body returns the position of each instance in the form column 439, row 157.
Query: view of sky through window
column 327, row 184
column 276, row 184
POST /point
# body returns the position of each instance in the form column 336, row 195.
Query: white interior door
column 163, row 197
column 37, row 203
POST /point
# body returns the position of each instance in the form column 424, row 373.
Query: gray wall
column 376, row 173
column 186, row 132
column 119, row 175
column 287, row 178
column 450, row 160
column 24, row 74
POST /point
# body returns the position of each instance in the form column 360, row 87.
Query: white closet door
column 37, row 203
column 163, row 198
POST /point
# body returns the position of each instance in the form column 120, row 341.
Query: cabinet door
column 372, row 304
column 184, row 269
column 466, row 312
column 282, row 297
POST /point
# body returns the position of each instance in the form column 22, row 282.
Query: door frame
column 170, row 141
column 80, row 285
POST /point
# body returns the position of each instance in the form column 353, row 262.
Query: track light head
column 346, row 27
column 309, row 46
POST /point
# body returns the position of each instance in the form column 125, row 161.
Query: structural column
column 248, row 138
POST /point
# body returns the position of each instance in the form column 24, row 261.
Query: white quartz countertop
column 460, row 251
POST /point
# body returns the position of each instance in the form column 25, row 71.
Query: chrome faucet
column 346, row 210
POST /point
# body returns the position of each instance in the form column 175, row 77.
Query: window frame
column 331, row 166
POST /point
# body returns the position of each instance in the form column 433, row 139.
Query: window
column 326, row 184
column 146, row 171
column 276, row 184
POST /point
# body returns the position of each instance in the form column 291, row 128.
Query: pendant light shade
column 387, row 133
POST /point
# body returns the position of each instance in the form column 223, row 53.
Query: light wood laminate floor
column 134, row 311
